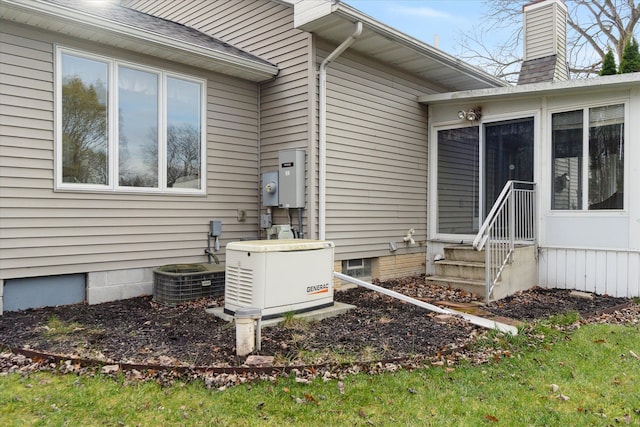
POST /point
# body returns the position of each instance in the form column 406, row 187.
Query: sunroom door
column 473, row 164
column 508, row 155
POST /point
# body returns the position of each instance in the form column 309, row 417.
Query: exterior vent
column 239, row 285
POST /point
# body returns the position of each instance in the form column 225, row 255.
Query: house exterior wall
column 376, row 158
column 264, row 28
column 603, row 271
column 377, row 131
column 45, row 232
column 598, row 251
column 591, row 250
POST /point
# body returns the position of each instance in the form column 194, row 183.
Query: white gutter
column 475, row 320
column 322, row 131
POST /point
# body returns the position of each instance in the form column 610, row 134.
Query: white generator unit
column 278, row 276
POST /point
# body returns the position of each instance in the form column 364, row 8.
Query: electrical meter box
column 279, row 276
column 291, row 178
column 270, row 189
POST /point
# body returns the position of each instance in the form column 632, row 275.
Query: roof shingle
column 131, row 17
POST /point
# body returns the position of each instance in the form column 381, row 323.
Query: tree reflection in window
column 605, row 166
column 606, row 157
column 84, row 131
column 183, row 133
column 145, row 134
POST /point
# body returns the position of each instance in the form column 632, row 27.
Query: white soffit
column 65, row 20
column 335, row 21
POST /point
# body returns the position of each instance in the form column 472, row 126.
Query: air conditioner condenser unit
column 279, row 276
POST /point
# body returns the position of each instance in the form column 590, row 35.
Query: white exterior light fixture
column 472, row 115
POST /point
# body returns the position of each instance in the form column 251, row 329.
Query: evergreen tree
column 630, row 62
column 608, row 64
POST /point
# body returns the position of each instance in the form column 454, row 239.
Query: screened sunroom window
column 127, row 127
column 592, row 156
column 458, row 180
column 606, row 157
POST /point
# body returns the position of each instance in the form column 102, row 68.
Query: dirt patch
column 140, row 331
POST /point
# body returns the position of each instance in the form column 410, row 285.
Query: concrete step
column 460, row 269
column 473, row 286
column 463, row 253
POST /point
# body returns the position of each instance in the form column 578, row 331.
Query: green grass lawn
column 587, row 377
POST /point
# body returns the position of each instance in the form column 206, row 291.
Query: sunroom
column 560, row 159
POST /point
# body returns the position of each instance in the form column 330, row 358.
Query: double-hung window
column 588, row 158
column 126, row 127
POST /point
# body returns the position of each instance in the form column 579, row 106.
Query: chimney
column 545, row 42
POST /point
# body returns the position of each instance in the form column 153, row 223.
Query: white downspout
column 322, row 131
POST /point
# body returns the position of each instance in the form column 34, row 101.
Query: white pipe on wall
column 322, row 131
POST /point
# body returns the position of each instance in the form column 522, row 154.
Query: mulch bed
column 140, row 331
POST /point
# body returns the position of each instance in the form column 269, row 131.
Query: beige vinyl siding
column 376, row 158
column 540, row 36
column 562, row 72
column 263, row 28
column 43, row 232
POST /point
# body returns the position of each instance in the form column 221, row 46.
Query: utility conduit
column 476, row 320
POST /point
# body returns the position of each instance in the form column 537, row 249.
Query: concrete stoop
column 464, row 268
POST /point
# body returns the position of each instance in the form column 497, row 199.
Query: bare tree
column 183, row 153
column 593, row 26
column 84, row 132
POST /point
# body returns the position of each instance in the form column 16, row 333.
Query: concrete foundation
column 105, row 286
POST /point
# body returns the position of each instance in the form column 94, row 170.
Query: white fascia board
column 603, row 83
column 309, row 11
column 262, row 71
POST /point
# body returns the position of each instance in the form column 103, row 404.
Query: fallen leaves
column 626, row 418
column 555, row 388
column 110, row 369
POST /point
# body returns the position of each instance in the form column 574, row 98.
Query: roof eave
column 247, row 68
column 605, row 83
column 324, row 9
column 420, row 46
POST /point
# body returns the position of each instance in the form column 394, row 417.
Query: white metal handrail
column 511, row 219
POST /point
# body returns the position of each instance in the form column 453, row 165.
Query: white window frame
column 112, row 150
column 584, row 209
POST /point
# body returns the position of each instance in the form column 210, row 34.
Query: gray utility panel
column 291, row 178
